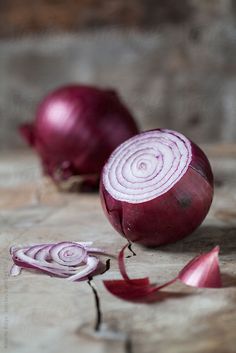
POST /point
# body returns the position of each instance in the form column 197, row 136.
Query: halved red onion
column 201, row 272
column 156, row 187
column 71, row 260
column 75, row 129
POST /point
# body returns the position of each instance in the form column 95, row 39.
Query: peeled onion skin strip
column 148, row 212
column 70, row 260
column 121, row 263
column 201, row 272
column 134, row 293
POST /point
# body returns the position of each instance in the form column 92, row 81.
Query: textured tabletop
column 39, row 313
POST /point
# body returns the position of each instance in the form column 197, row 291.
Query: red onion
column 75, row 130
column 201, row 272
column 72, row 260
column 157, row 187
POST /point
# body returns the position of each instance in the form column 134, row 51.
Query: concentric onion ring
column 147, row 166
column 71, row 260
column 156, row 187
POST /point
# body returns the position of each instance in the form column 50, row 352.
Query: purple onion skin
column 169, row 217
column 76, row 128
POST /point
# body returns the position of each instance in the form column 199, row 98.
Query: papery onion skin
column 76, row 128
column 203, row 271
column 168, row 217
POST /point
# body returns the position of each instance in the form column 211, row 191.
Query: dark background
column 173, row 62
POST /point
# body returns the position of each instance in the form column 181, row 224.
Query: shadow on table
column 228, row 281
column 204, row 239
column 161, row 296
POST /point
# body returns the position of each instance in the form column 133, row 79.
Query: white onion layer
column 71, row 260
column 147, row 165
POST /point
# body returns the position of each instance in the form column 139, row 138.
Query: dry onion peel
column 201, row 272
column 71, row 260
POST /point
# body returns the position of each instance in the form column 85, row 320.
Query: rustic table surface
column 43, row 314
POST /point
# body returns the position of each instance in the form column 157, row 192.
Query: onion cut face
column 156, row 187
column 71, row 260
column 201, row 272
column 75, row 130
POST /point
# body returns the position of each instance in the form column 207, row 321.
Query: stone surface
column 39, row 313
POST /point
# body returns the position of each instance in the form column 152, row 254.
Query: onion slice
column 71, row 260
column 91, row 266
column 201, row 272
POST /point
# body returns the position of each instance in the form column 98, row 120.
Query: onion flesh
column 70, row 260
column 156, row 187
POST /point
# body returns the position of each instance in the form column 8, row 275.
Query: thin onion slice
column 70, row 260
column 91, row 265
column 201, row 272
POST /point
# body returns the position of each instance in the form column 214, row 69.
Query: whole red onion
column 157, row 187
column 75, row 130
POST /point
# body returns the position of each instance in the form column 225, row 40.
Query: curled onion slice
column 70, row 260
